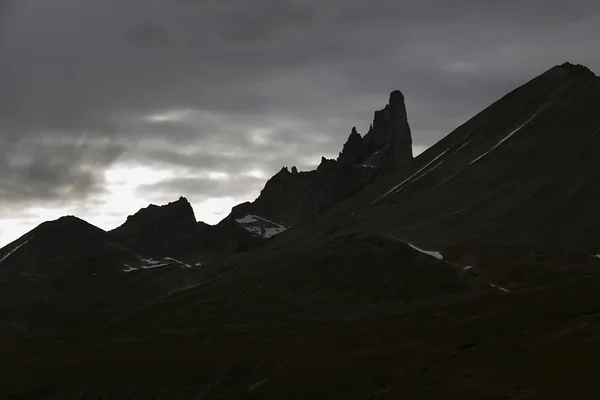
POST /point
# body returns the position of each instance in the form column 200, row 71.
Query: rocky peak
column 327, row 164
column 388, row 144
column 390, row 132
column 577, row 71
column 568, row 71
column 291, row 197
column 68, row 225
column 354, row 151
column 180, row 210
column 151, row 227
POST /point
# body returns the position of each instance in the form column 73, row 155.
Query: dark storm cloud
column 59, row 167
column 257, row 83
column 149, row 34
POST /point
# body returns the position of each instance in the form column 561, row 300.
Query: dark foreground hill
column 470, row 272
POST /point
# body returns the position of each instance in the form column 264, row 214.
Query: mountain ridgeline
column 288, row 198
column 471, row 271
column 291, row 197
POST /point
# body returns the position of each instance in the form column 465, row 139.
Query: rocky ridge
column 154, row 228
column 291, row 197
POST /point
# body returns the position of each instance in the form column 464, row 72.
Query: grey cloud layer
column 80, row 77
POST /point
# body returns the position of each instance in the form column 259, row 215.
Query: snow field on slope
column 266, row 232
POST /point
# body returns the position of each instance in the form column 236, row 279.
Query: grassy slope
column 539, row 344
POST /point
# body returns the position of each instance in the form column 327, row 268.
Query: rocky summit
column 469, row 272
column 153, row 228
column 291, row 197
column 388, row 144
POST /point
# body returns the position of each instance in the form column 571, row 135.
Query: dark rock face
column 388, row 144
column 289, row 198
column 154, row 227
column 292, row 197
column 209, row 242
column 390, row 133
column 523, row 173
column 59, row 260
column 576, row 71
column 354, row 151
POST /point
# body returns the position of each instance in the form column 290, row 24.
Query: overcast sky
column 109, row 105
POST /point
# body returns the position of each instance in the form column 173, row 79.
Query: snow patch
column 434, row 254
column 426, row 172
column 270, row 232
column 263, row 227
column 504, row 139
column 513, row 132
column 198, row 265
column 598, row 255
column 247, row 219
column 397, row 188
column 149, row 263
column 15, row 249
column 479, row 158
column 500, row 288
column 178, row 262
column 467, row 267
column 461, row 147
column 129, row 268
column 155, row 265
column 256, row 385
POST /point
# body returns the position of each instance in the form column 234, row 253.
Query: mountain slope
column 56, row 247
column 57, row 260
column 521, row 172
column 469, row 272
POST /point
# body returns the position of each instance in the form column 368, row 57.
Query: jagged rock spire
column 388, row 142
column 354, row 151
column 399, row 131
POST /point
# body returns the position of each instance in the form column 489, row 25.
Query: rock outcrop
column 287, row 199
column 388, row 144
column 209, row 242
column 171, row 230
column 354, row 150
column 290, row 197
column 574, row 71
column 154, row 227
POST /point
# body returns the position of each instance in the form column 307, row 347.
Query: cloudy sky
column 109, row 105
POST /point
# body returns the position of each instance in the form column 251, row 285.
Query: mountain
column 388, row 142
column 153, row 228
column 291, row 197
column 66, row 245
column 70, row 263
column 209, row 242
column 521, row 172
column 469, row 272
column 56, row 260
column 288, row 198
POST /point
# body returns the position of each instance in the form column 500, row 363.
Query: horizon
column 221, row 215
column 109, row 107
